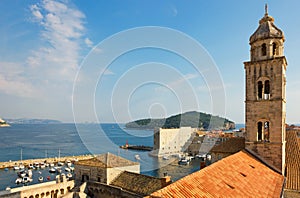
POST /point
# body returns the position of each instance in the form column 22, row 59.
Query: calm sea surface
column 50, row 140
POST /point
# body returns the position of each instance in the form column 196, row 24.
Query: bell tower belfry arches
column 265, row 93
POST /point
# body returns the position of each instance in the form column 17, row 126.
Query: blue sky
column 52, row 54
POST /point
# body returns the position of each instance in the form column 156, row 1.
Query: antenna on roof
column 266, row 9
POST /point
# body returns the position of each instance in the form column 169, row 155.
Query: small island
column 3, row 123
column 193, row 119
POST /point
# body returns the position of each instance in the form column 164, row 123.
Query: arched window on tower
column 259, row 131
column 267, row 90
column 267, row 131
column 259, row 89
column 264, row 49
column 274, row 49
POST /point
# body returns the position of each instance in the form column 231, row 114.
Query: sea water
column 33, row 141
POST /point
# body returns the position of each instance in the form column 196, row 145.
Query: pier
column 137, row 147
column 54, row 160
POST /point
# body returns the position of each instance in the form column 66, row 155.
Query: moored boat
column 183, row 161
column 67, row 169
column 30, row 166
column 16, row 167
column 40, row 178
column 26, row 180
column 18, row 180
column 69, row 175
column 52, row 170
column 137, row 157
column 165, row 157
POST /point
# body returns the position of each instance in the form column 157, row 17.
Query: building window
column 259, row 131
column 260, row 89
column 263, row 90
column 274, row 49
column 267, row 131
column 267, row 90
column 263, row 131
column 264, row 49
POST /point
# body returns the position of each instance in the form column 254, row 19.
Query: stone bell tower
column 265, row 93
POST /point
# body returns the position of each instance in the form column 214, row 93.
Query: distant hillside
column 32, row 121
column 193, row 119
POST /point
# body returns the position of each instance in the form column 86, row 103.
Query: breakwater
column 55, row 160
column 137, row 147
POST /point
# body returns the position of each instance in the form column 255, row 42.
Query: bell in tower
column 265, row 93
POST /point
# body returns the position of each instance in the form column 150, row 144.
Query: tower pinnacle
column 266, row 9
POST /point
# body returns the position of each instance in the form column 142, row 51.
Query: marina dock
column 54, row 160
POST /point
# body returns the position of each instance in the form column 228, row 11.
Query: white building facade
column 172, row 141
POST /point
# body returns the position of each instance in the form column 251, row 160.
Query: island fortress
column 265, row 93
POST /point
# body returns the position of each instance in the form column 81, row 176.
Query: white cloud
column 182, row 80
column 36, row 12
column 13, row 82
column 52, row 66
column 62, row 35
column 88, row 42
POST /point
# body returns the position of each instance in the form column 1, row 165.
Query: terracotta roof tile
column 292, row 160
column 232, row 145
column 107, row 160
column 224, row 179
column 138, row 183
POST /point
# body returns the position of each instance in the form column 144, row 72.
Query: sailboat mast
column 21, row 154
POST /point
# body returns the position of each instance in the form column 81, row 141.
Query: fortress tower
column 265, row 93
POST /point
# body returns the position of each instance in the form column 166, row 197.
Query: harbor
column 53, row 160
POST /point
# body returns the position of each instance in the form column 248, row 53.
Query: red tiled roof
column 232, row 145
column 138, row 183
column 292, row 160
column 239, row 175
column 107, row 160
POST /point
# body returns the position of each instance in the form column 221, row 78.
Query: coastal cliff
column 193, row 119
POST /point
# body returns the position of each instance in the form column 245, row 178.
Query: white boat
column 18, row 180
column 69, row 163
column 21, row 166
column 22, row 173
column 69, row 175
column 67, row 169
column 58, row 169
column 72, row 169
column 60, row 163
column 36, row 165
column 165, row 157
column 16, row 167
column 41, row 179
column 30, row 166
column 26, row 180
column 29, row 173
column 137, row 157
column 183, row 161
column 52, row 170
column 51, row 165
column 42, row 165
